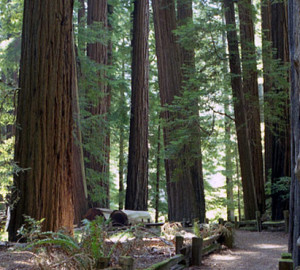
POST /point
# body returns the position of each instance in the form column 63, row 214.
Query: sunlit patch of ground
column 253, row 251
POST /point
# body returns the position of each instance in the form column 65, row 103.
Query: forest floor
column 252, row 251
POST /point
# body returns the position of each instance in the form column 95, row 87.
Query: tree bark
column 250, row 89
column 122, row 141
column 44, row 135
column 266, row 57
column 99, row 107
column 250, row 202
column 157, row 175
column 137, row 177
column 280, row 150
column 294, row 26
column 183, row 174
column 80, row 188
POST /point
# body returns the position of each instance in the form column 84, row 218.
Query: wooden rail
column 258, row 225
column 189, row 254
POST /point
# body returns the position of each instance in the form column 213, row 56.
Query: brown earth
column 252, row 251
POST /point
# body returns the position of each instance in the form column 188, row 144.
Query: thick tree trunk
column 195, row 170
column 250, row 202
column 44, row 135
column 250, row 89
column 137, row 177
column 281, row 150
column 229, row 154
column 184, row 177
column 294, row 26
column 98, row 166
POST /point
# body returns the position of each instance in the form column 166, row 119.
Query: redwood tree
column 137, row 177
column 98, row 103
column 44, row 118
column 250, row 89
column 294, row 26
column 250, row 202
column 280, row 128
column 184, row 170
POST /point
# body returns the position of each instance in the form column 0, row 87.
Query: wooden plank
column 286, row 220
column 197, row 244
column 247, row 222
column 178, row 244
column 274, row 223
column 286, row 264
column 154, row 224
column 167, row 264
column 258, row 221
column 211, row 248
column 209, row 240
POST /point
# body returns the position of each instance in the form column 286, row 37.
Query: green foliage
column 31, row 229
column 93, row 237
column 83, row 250
column 7, row 118
column 280, row 186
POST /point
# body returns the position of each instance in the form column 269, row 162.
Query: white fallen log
column 134, row 217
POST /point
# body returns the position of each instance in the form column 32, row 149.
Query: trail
column 252, row 251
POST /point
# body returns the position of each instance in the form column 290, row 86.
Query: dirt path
column 253, row 251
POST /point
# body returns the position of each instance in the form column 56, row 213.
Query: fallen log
column 118, row 218
column 92, row 213
column 134, row 217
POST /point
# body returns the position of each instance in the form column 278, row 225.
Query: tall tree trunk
column 184, row 177
column 250, row 202
column 195, row 170
column 137, row 177
column 157, row 175
column 280, row 150
column 81, row 24
column 44, row 138
column 80, row 187
column 121, row 141
column 229, row 167
column 294, row 26
column 250, row 89
column 121, row 169
column 267, row 65
column 228, row 145
column 99, row 107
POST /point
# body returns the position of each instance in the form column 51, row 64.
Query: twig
column 160, row 238
column 221, row 113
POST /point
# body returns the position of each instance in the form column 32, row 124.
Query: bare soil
column 252, row 251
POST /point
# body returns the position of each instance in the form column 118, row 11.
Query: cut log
column 92, row 213
column 119, row 218
column 134, row 217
